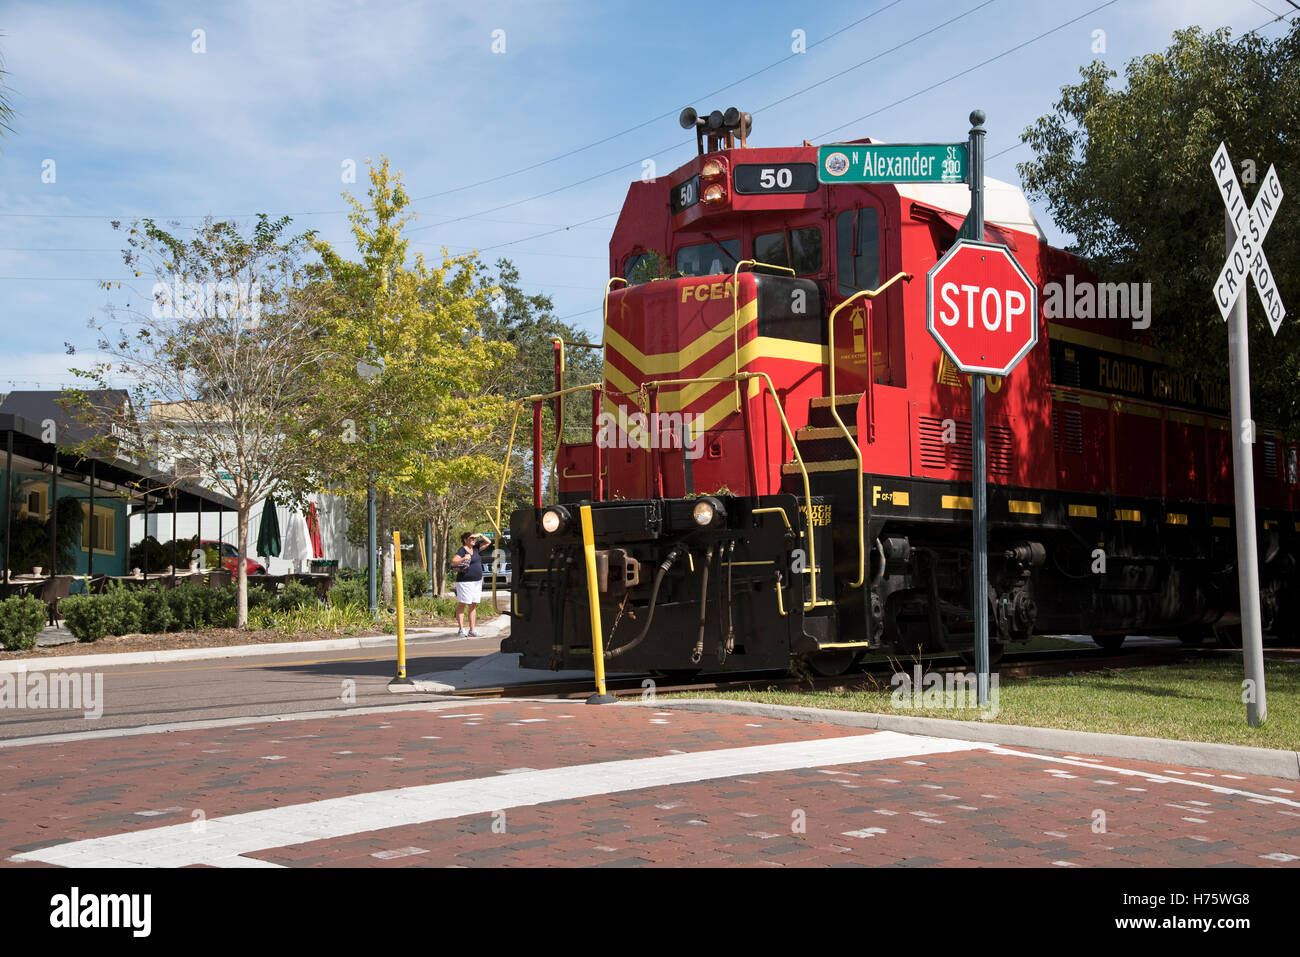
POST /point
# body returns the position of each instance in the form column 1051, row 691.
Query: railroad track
column 868, row 675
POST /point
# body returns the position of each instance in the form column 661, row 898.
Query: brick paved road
column 899, row 801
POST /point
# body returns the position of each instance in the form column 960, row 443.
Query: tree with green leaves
column 227, row 366
column 431, row 392
column 1125, row 169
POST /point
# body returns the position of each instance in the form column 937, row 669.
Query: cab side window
column 857, row 246
column 643, row 267
column 799, row 249
column 708, row 259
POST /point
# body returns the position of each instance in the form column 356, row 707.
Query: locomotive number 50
column 781, row 178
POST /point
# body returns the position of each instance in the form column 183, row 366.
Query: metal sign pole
column 1243, row 473
column 979, row 479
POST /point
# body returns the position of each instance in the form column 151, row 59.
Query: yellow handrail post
column 835, row 413
column 401, row 680
column 735, row 313
column 593, row 605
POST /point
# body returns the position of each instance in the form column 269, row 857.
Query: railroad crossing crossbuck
column 1247, row 254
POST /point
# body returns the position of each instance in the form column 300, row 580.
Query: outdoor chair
column 54, row 591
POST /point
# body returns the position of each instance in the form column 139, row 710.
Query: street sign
column 981, row 307
column 1246, row 257
column 893, row 163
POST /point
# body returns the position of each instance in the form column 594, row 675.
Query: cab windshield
column 708, row 259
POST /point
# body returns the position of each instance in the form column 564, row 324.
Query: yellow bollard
column 401, row 678
column 593, row 604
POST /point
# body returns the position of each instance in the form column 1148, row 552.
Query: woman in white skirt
column 468, row 562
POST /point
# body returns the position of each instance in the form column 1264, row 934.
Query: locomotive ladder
column 847, row 433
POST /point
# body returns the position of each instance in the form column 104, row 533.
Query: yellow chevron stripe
column 675, row 398
column 618, row 380
column 661, row 363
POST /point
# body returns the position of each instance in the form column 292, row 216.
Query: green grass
column 1192, row 701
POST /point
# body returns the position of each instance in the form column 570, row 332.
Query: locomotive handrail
column 505, row 465
column 803, row 471
column 735, row 312
column 857, row 451
column 560, row 367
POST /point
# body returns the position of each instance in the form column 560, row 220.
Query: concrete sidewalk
column 492, row 629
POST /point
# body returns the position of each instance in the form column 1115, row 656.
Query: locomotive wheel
column 1194, row 637
column 996, row 650
column 831, row 664
column 1109, row 642
column 1228, row 637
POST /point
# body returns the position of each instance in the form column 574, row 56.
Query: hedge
column 21, row 620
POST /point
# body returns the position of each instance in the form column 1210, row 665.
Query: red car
column 230, row 558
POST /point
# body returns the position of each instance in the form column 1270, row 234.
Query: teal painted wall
column 114, row 564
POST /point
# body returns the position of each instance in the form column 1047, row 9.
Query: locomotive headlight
column 554, row 519
column 715, row 193
column 712, row 169
column 708, row 511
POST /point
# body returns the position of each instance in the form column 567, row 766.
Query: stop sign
column 981, row 307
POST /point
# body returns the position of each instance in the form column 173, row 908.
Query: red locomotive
column 779, row 464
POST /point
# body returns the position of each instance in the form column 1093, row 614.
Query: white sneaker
column 475, row 634
column 460, row 633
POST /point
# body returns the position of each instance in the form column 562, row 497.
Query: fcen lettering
column 706, row 291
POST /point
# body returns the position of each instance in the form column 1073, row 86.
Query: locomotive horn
column 714, row 121
column 689, row 118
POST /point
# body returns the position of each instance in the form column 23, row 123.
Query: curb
column 71, row 662
column 1239, row 759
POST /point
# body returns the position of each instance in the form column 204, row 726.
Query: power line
column 911, row 40
column 982, row 63
column 661, row 116
column 677, row 145
column 523, row 169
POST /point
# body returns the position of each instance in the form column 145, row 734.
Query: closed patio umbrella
column 268, row 532
column 313, row 527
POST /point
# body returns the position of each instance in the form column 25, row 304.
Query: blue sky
column 138, row 124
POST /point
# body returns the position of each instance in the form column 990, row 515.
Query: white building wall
column 295, row 545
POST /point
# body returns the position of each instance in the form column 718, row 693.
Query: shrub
column 349, row 591
column 341, row 619
column 415, row 582
column 152, row 549
column 156, row 615
column 258, row 595
column 86, row 616
column 123, row 610
column 220, row 611
column 190, row 604
column 293, row 596
column 21, row 620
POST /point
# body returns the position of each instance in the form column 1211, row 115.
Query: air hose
column 666, row 564
column 698, row 652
